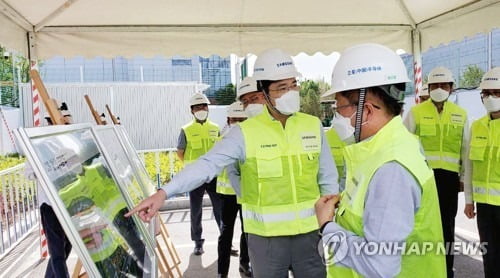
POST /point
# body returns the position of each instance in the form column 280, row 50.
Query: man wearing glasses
column 482, row 182
column 442, row 128
column 285, row 165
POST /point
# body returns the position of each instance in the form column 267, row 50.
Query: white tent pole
column 33, row 110
column 490, row 44
column 417, row 62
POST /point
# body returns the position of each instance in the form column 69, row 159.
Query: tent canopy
column 202, row 27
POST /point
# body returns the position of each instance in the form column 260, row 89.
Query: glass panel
column 118, row 158
column 132, row 154
column 79, row 175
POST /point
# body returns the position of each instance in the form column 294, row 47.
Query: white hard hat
column 491, row 79
column 440, row 75
column 248, row 85
column 367, row 65
column 235, row 110
column 425, row 90
column 274, row 64
column 198, row 98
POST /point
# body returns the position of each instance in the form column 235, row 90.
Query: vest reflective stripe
column 200, row 138
column 444, row 158
column 362, row 162
column 224, row 185
column 277, row 217
column 337, row 149
column 279, row 176
column 484, row 153
column 441, row 135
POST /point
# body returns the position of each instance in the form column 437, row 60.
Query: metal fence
column 18, row 207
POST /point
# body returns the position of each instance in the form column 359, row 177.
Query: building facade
column 214, row 70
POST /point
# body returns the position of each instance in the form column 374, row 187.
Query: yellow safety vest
column 440, row 135
column 392, row 143
column 337, row 149
column 224, row 185
column 200, row 139
column 485, row 156
column 279, row 176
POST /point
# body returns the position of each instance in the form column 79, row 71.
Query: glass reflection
column 84, row 184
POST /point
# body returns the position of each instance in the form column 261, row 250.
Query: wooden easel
column 49, row 103
column 115, row 120
column 166, row 265
column 94, row 112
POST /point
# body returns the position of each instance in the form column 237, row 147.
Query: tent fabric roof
column 203, row 27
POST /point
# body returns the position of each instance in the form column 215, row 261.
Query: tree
column 471, row 77
column 226, row 95
column 9, row 64
column 310, row 94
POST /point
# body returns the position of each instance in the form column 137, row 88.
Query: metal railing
column 18, row 207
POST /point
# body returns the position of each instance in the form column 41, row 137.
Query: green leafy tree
column 226, row 95
column 9, row 65
column 310, row 94
column 471, row 77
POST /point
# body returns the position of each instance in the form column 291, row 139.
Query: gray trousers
column 273, row 256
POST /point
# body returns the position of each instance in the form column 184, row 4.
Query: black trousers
column 448, row 184
column 230, row 209
column 488, row 224
column 196, row 208
column 57, row 242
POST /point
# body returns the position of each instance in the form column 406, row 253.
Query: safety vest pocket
column 269, row 165
column 477, row 153
column 427, row 130
column 196, row 144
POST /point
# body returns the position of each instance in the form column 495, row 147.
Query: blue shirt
column 231, row 150
column 391, row 202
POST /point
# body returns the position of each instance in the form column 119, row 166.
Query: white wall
column 152, row 113
column 12, row 116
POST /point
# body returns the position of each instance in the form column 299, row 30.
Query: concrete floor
column 24, row 260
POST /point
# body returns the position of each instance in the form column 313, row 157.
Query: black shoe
column 234, row 252
column 198, row 251
column 221, row 275
column 246, row 269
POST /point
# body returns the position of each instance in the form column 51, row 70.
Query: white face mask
column 254, row 109
column 201, row 115
column 492, row 104
column 288, row 103
column 343, row 127
column 439, row 95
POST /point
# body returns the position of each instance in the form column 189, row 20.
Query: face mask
column 201, row 115
column 343, row 127
column 439, row 95
column 492, row 104
column 254, row 109
column 288, row 103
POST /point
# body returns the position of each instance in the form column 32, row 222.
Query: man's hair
column 392, row 105
column 263, row 85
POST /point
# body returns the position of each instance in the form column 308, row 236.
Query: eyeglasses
column 490, row 93
column 250, row 100
column 284, row 89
